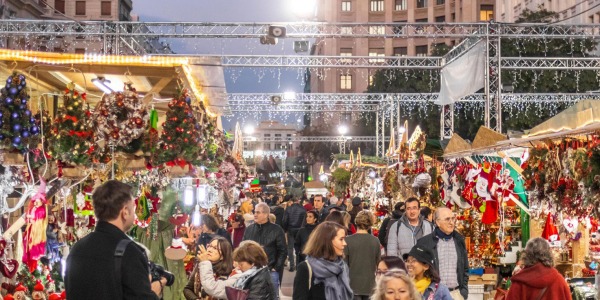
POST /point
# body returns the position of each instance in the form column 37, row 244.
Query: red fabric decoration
column 550, row 232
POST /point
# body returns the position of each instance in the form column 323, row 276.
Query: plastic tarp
column 463, row 76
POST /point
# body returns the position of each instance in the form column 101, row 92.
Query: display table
column 583, row 293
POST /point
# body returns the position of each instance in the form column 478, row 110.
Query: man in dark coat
column 271, row 237
column 319, row 206
column 293, row 218
column 450, row 253
column 91, row 267
column 277, row 210
column 384, row 229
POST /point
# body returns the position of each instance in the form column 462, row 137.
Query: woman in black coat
column 256, row 276
column 304, row 233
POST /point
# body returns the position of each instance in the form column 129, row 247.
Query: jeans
column 275, row 279
column 291, row 237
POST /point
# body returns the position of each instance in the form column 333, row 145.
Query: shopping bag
column 236, row 294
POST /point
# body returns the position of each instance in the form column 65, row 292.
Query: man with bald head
column 450, row 253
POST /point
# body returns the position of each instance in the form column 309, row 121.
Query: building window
column 80, row 8
column 440, row 19
column 59, row 6
column 399, row 29
column 424, row 20
column 346, row 5
column 421, row 3
column 345, row 52
column 486, row 13
column 106, row 8
column 400, row 5
column 377, row 30
column 376, row 52
column 400, row 51
column 267, row 135
column 421, row 50
column 346, row 30
column 346, row 82
column 453, row 16
column 79, row 50
column 377, row 5
column 440, row 2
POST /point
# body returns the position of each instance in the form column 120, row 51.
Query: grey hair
column 380, row 286
column 263, row 207
column 537, row 251
column 436, row 214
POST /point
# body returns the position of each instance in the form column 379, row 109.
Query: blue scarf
column 442, row 235
column 334, row 274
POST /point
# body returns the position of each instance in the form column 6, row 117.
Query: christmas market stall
column 69, row 122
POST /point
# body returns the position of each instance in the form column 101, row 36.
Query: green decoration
column 181, row 139
column 19, row 128
column 70, row 139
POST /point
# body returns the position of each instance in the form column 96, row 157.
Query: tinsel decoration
column 181, row 137
column 119, row 118
column 70, row 139
column 19, row 129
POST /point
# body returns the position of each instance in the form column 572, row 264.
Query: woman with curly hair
column 538, row 280
column 395, row 285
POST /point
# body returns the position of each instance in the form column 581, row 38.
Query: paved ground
column 287, row 284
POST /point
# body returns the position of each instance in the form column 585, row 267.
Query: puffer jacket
column 271, row 237
column 294, row 217
column 401, row 237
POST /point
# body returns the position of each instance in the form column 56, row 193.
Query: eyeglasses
column 449, row 220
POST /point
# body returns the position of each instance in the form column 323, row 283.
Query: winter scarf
column 334, row 274
column 442, row 235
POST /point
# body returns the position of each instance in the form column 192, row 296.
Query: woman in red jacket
column 237, row 229
column 538, row 280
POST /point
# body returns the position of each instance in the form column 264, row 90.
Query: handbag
column 236, row 294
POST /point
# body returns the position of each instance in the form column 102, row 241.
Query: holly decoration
column 119, row 119
column 180, row 139
column 19, row 129
column 71, row 138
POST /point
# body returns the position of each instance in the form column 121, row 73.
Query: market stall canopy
column 157, row 78
column 486, row 137
column 456, row 144
column 315, row 188
column 580, row 115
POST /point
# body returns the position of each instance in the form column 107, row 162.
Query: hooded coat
column 530, row 282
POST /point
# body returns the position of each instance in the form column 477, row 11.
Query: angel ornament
column 34, row 238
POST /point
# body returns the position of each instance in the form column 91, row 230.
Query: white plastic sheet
column 464, row 76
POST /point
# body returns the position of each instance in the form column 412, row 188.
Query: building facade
column 569, row 11
column 383, row 11
column 78, row 10
column 280, row 136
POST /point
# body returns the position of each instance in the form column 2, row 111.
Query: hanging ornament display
column 180, row 141
column 34, row 237
column 119, row 118
column 70, row 140
column 19, row 128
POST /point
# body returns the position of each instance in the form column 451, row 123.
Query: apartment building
column 383, row 11
column 280, row 136
column 571, row 11
column 79, row 10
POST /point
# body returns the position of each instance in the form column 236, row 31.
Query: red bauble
column 186, row 140
column 120, row 103
column 168, row 138
column 138, row 122
column 115, row 135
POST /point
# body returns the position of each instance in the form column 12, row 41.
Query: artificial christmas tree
column 19, row 129
column 181, row 139
column 71, row 140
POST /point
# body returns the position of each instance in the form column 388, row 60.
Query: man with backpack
column 387, row 223
column 408, row 229
column 92, row 262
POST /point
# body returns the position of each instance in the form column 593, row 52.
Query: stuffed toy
column 38, row 291
column 20, row 292
column 34, row 238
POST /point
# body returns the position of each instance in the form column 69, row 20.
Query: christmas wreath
column 119, row 119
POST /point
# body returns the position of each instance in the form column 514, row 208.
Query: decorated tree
column 71, row 139
column 181, row 138
column 19, row 129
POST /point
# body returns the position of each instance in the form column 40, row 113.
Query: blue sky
column 242, row 80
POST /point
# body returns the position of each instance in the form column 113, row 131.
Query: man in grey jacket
column 408, row 229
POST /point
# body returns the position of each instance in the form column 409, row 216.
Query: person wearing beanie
column 450, row 253
column 420, row 263
column 387, row 223
column 356, row 208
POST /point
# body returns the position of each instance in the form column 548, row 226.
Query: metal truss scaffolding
column 313, row 139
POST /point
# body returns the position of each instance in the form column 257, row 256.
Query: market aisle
column 287, row 284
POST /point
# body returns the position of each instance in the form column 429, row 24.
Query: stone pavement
column 287, row 284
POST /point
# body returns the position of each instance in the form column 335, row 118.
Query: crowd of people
column 327, row 242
